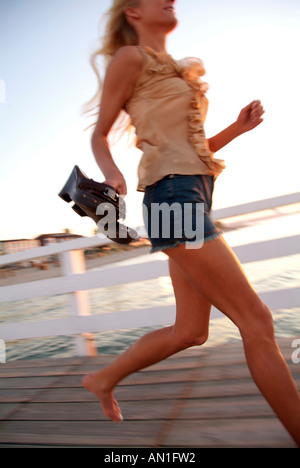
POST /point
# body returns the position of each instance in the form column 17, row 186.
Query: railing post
column 73, row 262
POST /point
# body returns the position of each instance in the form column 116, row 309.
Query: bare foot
column 94, row 384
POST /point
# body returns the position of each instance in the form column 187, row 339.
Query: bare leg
column 211, row 275
column 191, row 328
column 218, row 276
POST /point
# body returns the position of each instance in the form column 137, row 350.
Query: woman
column 166, row 102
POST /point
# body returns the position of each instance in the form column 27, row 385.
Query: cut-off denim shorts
column 177, row 210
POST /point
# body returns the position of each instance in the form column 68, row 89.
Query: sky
column 250, row 49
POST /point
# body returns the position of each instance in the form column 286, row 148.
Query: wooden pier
column 200, row 398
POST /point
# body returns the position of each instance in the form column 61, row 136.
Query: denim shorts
column 177, row 210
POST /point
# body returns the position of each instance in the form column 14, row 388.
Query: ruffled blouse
column 168, row 108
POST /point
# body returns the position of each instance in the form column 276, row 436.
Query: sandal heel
column 70, row 186
column 79, row 210
column 65, row 196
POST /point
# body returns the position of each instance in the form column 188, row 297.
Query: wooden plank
column 240, row 433
column 130, row 319
column 53, row 249
column 122, row 393
column 17, row 395
column 248, row 406
column 140, row 272
column 44, row 363
column 170, row 364
column 86, row 281
column 226, row 388
column 75, row 325
column 37, row 371
column 259, row 205
column 234, row 352
column 89, row 242
column 7, row 408
column 265, row 250
column 84, row 433
column 204, row 408
column 91, row 411
column 205, row 399
column 138, row 378
column 27, row 382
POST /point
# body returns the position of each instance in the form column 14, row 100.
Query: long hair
column 118, row 33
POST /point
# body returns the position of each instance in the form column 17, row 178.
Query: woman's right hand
column 118, row 182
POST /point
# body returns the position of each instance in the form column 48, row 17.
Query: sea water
column 267, row 275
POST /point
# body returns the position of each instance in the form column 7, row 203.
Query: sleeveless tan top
column 168, row 108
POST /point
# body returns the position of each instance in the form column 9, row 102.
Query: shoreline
column 26, row 275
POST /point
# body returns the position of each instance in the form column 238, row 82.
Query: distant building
column 17, row 245
column 47, row 239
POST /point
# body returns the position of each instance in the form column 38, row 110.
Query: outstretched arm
column 249, row 118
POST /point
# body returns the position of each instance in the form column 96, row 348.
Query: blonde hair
column 118, row 33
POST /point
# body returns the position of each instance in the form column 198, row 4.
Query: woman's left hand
column 250, row 117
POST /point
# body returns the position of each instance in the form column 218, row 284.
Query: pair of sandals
column 100, row 202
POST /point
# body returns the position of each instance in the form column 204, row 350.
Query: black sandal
column 88, row 195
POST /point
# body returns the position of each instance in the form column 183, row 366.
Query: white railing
column 75, row 281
